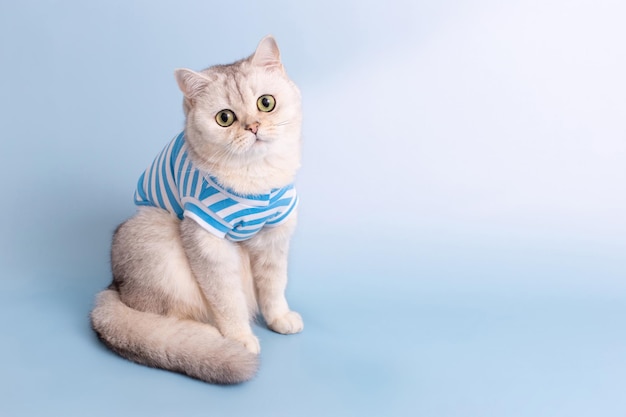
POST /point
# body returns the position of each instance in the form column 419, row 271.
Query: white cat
column 208, row 246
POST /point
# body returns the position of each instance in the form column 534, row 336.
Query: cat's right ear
column 190, row 82
column 267, row 54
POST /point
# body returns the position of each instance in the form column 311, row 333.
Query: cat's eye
column 266, row 103
column 225, row 118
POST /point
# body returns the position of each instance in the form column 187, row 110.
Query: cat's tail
column 189, row 347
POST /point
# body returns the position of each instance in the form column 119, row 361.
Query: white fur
column 173, row 279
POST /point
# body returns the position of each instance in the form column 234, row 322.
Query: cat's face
column 244, row 111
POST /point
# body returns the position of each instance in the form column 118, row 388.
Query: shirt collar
column 254, row 200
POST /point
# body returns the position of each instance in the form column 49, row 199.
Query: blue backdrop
column 462, row 242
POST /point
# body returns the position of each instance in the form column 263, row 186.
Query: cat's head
column 244, row 118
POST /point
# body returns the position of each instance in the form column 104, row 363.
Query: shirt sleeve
column 284, row 214
column 208, row 220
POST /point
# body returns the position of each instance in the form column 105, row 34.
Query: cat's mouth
column 256, row 142
column 259, row 144
column 259, row 139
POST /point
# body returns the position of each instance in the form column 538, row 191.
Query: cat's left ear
column 267, row 54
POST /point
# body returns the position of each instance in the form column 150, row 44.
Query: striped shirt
column 175, row 184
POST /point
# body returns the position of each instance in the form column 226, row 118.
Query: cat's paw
column 288, row 323
column 250, row 342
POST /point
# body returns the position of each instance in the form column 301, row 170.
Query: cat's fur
column 181, row 298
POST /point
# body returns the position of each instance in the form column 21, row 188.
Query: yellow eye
column 225, row 118
column 266, row 103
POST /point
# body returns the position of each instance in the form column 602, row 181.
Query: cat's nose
column 253, row 127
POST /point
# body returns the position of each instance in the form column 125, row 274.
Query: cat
column 207, row 249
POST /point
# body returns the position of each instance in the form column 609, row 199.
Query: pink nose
column 253, row 127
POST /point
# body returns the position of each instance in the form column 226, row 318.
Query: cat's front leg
column 217, row 265
column 268, row 254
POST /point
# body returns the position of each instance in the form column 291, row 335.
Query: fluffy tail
column 184, row 346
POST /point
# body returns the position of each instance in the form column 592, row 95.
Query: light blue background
column 462, row 242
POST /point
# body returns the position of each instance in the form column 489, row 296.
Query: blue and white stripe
column 173, row 183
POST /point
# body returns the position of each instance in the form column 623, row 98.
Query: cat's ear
column 267, row 53
column 190, row 82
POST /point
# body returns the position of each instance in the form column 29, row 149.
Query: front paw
column 288, row 323
column 250, row 342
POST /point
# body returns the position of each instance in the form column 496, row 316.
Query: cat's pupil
column 265, row 101
column 224, row 117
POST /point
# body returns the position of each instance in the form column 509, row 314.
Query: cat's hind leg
column 151, row 270
column 154, row 312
